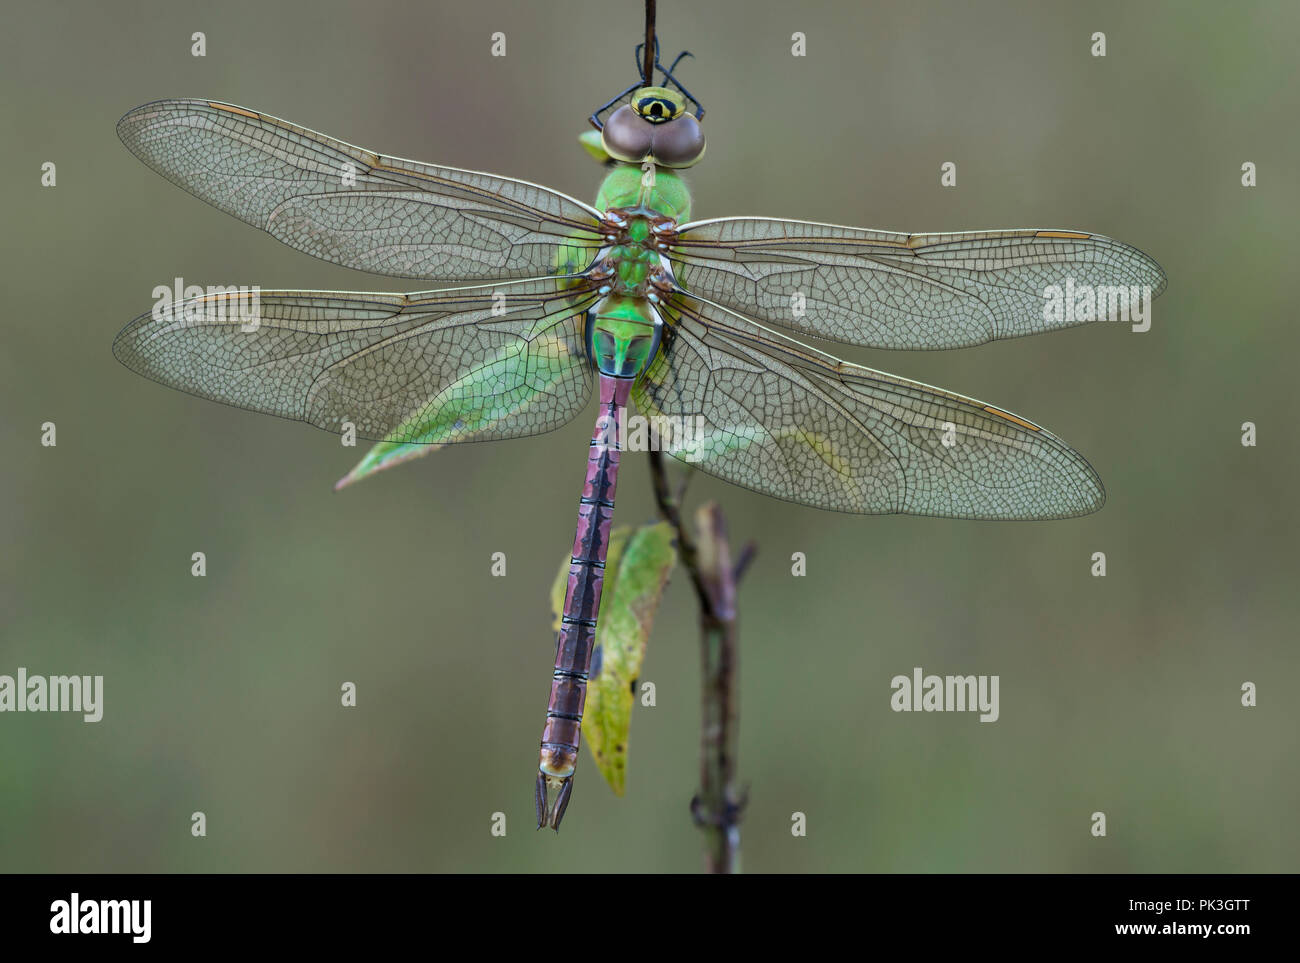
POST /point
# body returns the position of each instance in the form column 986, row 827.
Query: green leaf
column 637, row 567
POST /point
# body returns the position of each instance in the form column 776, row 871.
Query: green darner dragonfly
column 691, row 319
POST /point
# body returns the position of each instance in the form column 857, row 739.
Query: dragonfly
column 630, row 298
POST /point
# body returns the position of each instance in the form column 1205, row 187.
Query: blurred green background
column 1118, row 694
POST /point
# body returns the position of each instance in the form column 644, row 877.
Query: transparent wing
column 357, row 208
column 788, row 421
column 437, row 367
column 886, row 290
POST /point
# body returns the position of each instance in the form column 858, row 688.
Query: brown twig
column 668, row 508
column 747, row 553
column 718, row 805
column 648, row 55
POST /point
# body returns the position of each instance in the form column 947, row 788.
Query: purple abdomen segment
column 577, row 636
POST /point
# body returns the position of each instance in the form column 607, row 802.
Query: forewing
column 357, row 208
column 431, row 368
column 787, row 421
column 884, row 290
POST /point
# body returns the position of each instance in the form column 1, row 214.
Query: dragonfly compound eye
column 678, row 143
column 632, row 138
column 626, row 136
column 658, row 104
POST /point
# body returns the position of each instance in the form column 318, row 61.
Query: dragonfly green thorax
column 623, row 329
column 639, row 224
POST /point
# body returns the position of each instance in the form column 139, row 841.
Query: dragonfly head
column 654, row 126
column 623, row 336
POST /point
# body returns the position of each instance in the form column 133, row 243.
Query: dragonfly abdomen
column 576, row 640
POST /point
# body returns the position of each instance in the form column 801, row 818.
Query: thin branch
column 648, row 55
column 747, row 553
column 718, row 805
column 668, row 509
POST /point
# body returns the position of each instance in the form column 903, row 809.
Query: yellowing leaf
column 636, row 570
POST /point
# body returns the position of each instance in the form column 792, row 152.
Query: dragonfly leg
column 669, row 78
column 595, row 114
column 599, row 123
